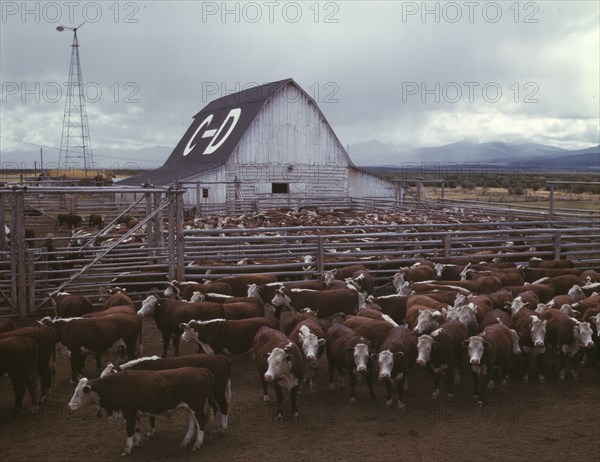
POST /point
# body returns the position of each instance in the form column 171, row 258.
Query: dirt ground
column 550, row 422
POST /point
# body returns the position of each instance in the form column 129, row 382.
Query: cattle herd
column 484, row 319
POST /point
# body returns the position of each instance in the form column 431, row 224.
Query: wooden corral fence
column 36, row 258
column 156, row 246
column 281, row 250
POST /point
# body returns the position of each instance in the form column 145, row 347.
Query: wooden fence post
column 179, row 242
column 551, row 206
column 171, row 235
column 150, row 229
column 320, row 258
column 447, row 239
column 31, row 279
column 159, row 235
column 17, row 247
column 557, row 246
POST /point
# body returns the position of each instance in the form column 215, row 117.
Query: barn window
column 205, row 193
column 280, row 188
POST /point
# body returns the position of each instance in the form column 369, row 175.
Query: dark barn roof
column 192, row 157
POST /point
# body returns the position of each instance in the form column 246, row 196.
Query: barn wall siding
column 290, row 142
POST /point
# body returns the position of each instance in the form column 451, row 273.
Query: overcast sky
column 407, row 73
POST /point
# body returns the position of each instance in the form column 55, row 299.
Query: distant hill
column 385, row 155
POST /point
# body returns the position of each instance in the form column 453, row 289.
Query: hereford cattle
column 560, row 284
column 218, row 365
column 325, row 303
column 425, row 300
column 69, row 220
column 593, row 317
column 219, row 335
column 99, row 335
column 423, row 320
column 19, row 359
column 532, row 332
column 6, row 325
column 394, row 306
column 543, row 292
column 449, row 272
column 239, row 284
column 363, row 280
column 266, row 292
column 490, row 350
column 501, row 298
column 347, row 271
column 169, row 314
column 348, row 351
column 574, row 295
column 185, row 290
column 589, row 277
column 310, row 339
column 587, row 303
column 375, row 330
column 68, row 305
column 398, row 354
column 569, row 337
column 506, row 278
column 442, row 351
column 421, row 271
column 153, row 392
column 118, row 297
column 533, row 274
column 96, row 220
column 550, row 264
column 278, row 360
column 46, row 340
column 288, row 324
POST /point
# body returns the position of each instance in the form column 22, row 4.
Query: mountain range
column 374, row 153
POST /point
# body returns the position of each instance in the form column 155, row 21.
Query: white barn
column 270, row 144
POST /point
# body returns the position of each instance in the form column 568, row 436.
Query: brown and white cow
column 46, row 340
column 423, row 320
column 568, row 336
column 348, row 351
column 99, row 335
column 375, row 330
column 239, row 284
column 219, row 335
column 397, row 355
column 324, row 302
column 532, row 332
column 442, row 351
column 490, row 350
column 69, row 305
column 185, row 290
column 278, row 360
column 118, row 297
column 394, row 306
column 152, row 392
column 169, row 314
column 18, row 359
column 218, row 365
column 308, row 335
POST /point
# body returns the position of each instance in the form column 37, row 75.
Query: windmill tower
column 75, row 142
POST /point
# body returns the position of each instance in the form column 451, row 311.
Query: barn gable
column 268, row 142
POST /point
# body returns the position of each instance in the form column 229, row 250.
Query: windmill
column 75, row 142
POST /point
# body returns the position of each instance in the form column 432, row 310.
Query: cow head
column 352, row 284
column 189, row 333
column 385, row 361
column 583, row 334
column 576, row 293
column 439, row 268
column 398, row 282
column 405, row 289
column 253, row 291
column 467, row 314
column 148, row 306
column 425, row 346
column 328, row 277
column 476, row 346
column 310, row 344
column 281, row 299
column 427, row 321
column 360, row 352
column 108, row 370
column 172, row 290
column 197, row 296
column 566, row 309
column 83, row 395
column 538, row 331
column 460, row 300
column 517, row 305
column 279, row 364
